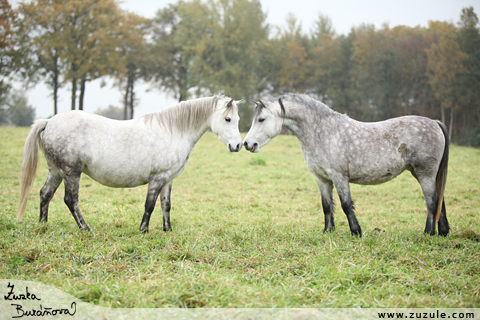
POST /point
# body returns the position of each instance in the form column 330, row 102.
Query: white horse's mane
column 184, row 115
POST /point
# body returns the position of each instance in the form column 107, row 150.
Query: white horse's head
column 224, row 123
column 267, row 124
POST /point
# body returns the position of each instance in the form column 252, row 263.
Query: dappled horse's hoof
column 144, row 230
column 328, row 230
column 167, row 229
column 443, row 233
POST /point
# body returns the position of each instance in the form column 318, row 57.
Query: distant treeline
column 197, row 48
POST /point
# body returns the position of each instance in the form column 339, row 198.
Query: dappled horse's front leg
column 72, row 183
column 155, row 186
column 343, row 190
column 46, row 193
column 326, row 189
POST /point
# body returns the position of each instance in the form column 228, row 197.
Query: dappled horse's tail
column 29, row 164
column 442, row 172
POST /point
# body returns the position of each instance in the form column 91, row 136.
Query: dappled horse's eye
column 228, row 119
column 261, row 119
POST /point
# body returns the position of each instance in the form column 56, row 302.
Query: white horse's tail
column 29, row 164
column 442, row 172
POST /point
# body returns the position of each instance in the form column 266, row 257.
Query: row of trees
column 198, row 48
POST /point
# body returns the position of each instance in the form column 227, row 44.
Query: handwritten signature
column 41, row 311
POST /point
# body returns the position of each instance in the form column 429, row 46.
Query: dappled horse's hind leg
column 343, row 190
column 72, row 184
column 155, row 186
column 431, row 200
column 165, row 199
column 443, row 226
column 48, row 190
column 326, row 189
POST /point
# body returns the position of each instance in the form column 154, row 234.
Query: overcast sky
column 344, row 15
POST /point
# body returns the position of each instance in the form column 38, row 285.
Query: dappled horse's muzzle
column 251, row 147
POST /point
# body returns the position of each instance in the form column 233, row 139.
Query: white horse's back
column 112, row 152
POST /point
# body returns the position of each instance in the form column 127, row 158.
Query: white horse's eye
column 228, row 119
column 261, row 119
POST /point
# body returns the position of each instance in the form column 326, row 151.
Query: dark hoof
column 356, row 233
column 443, row 234
column 429, row 233
column 144, row 230
column 167, row 229
column 85, row 228
column 443, row 231
column 329, row 229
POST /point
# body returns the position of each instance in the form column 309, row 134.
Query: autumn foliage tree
column 7, row 44
column 195, row 48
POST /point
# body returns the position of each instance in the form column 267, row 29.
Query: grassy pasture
column 247, row 232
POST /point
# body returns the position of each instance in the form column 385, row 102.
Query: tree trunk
column 55, row 86
column 74, row 93
column 82, row 94
column 450, row 128
column 125, row 100
column 132, row 96
column 442, row 110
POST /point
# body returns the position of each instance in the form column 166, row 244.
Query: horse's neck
column 304, row 122
column 179, row 130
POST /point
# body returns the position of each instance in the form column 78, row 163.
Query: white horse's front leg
column 155, row 185
column 165, row 198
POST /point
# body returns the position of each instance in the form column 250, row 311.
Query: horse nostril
column 238, row 146
column 255, row 145
column 246, row 145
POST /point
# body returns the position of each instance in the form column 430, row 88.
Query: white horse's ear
column 239, row 101
column 229, row 104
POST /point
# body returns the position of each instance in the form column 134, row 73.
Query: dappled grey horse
column 339, row 150
column 153, row 149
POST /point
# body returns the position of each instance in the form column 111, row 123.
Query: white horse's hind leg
column 165, row 199
column 155, row 186
column 326, row 190
column 48, row 190
column 72, row 183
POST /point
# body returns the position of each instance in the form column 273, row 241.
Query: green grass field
column 247, row 232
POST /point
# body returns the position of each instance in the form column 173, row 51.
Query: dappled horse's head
column 225, row 123
column 266, row 124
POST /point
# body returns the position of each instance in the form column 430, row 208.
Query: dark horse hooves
column 357, row 233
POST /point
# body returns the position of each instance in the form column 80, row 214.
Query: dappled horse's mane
column 305, row 100
column 299, row 99
column 184, row 115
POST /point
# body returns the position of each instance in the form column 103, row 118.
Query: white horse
column 339, row 150
column 153, row 149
